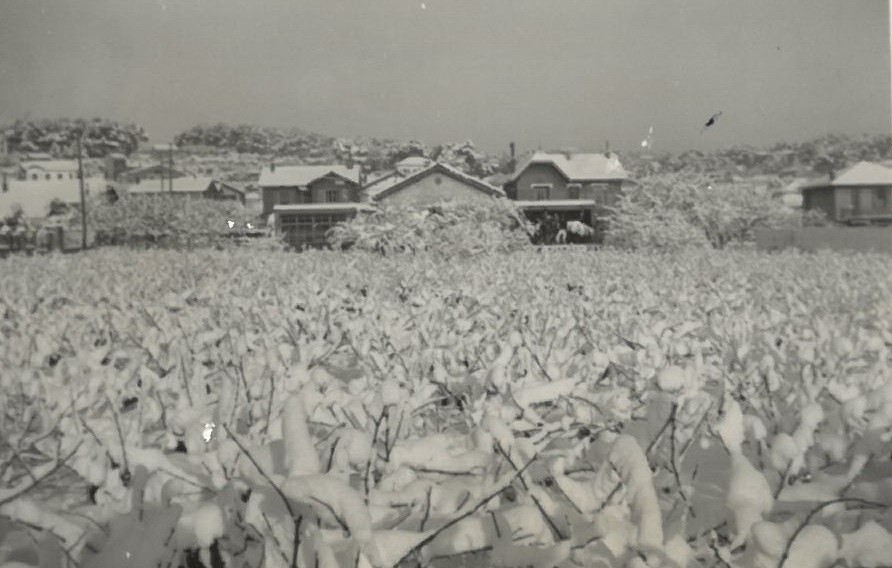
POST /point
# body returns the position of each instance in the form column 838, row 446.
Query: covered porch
column 306, row 224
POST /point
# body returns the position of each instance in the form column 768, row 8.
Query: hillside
column 238, row 151
column 58, row 136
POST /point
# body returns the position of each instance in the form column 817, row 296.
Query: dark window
column 332, row 195
column 573, row 191
column 48, row 176
column 33, row 176
column 60, row 176
column 542, row 191
column 882, row 198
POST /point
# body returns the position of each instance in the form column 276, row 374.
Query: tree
column 679, row 211
column 57, row 207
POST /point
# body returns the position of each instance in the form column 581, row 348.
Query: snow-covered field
column 560, row 408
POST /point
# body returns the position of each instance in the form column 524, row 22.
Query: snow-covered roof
column 556, row 204
column 308, row 207
column 395, row 181
column 51, row 165
column 579, row 166
column 185, row 184
column 301, row 176
column 35, row 197
column 865, row 173
column 414, row 161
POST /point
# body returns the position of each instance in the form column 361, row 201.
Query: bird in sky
column 712, row 120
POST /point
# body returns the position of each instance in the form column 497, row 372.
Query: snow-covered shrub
column 166, row 220
column 447, row 228
column 678, row 211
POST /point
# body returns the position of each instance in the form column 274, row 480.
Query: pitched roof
column 415, row 161
column 51, row 165
column 394, row 182
column 180, row 185
column 578, row 166
column 237, row 187
column 865, row 173
column 320, row 207
column 301, row 176
column 556, row 204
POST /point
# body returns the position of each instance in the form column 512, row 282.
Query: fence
column 46, row 239
column 859, row 239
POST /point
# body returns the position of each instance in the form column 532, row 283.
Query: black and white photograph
column 446, row 283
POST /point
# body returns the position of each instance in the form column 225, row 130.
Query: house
column 34, row 197
column 413, row 165
column 861, row 195
column 151, row 174
column 292, row 185
column 567, row 186
column 304, row 202
column 184, row 186
column 431, row 184
column 46, row 170
column 226, row 190
column 308, row 222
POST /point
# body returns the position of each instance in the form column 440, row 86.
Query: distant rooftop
column 186, row 184
column 301, row 176
column 51, row 165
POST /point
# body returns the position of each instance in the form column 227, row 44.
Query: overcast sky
column 550, row 73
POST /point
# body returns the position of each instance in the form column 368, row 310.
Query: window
column 34, row 177
column 49, row 176
column 573, row 190
column 60, row 176
column 882, row 198
column 542, row 191
column 332, row 195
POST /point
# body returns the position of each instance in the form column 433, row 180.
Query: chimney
column 349, row 161
column 362, row 176
column 272, row 166
column 512, row 162
column 607, row 149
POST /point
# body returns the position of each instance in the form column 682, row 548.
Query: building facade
column 295, row 185
column 861, row 195
column 555, row 189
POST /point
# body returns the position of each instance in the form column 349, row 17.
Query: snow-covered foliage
column 539, row 408
column 165, row 219
column 685, row 211
column 451, row 228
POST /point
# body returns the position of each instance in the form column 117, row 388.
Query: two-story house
column 567, row 186
column 304, row 202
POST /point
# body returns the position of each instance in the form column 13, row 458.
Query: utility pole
column 161, row 172
column 80, row 179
